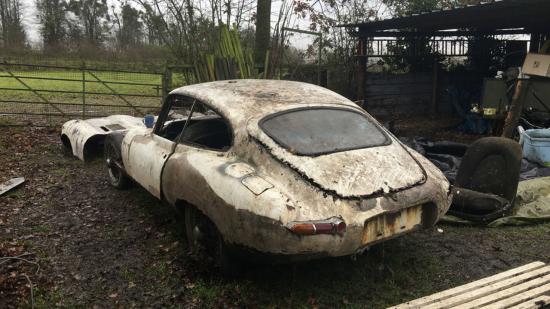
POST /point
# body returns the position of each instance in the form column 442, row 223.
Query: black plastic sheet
column 447, row 156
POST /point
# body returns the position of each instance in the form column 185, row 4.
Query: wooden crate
column 524, row 287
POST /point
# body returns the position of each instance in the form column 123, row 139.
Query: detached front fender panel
column 86, row 136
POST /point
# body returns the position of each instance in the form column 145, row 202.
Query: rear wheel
column 117, row 176
column 204, row 238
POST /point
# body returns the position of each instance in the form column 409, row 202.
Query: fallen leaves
column 17, row 271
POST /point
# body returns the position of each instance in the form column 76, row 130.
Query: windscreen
column 316, row 131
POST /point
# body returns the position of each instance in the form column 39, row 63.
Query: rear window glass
column 316, row 131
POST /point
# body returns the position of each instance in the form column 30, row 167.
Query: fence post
column 83, row 90
column 166, row 82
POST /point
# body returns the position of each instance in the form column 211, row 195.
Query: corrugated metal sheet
column 505, row 14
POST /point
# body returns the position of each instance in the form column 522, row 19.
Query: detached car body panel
column 82, row 134
column 274, row 158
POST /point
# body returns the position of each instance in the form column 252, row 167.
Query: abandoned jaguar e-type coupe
column 278, row 167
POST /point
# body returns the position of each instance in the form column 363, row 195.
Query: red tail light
column 332, row 226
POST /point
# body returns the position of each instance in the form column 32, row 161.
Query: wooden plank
column 526, row 286
column 492, row 288
column 10, row 184
column 537, row 303
column 520, row 298
column 417, row 303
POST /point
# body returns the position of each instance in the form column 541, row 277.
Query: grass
column 95, row 103
column 41, row 229
column 374, row 280
column 91, row 85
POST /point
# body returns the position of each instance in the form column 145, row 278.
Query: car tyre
column 204, row 238
column 117, row 175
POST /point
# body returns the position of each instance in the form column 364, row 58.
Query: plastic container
column 149, row 121
column 536, row 145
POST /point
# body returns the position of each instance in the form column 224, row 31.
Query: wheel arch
column 115, row 138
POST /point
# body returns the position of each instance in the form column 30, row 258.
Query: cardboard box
column 537, row 65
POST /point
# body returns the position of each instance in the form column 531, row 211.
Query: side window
column 207, row 129
column 173, row 117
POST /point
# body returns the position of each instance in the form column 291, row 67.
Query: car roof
column 243, row 99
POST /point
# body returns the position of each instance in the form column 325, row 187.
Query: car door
column 203, row 147
column 149, row 151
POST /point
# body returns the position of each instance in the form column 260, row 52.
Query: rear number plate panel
column 390, row 224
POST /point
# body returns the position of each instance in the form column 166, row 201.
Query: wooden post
column 435, row 76
column 516, row 108
column 361, row 69
column 83, row 69
column 534, row 43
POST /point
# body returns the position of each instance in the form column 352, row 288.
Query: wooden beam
column 525, row 284
column 11, row 184
column 516, row 108
column 361, row 69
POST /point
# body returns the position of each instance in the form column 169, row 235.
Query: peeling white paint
column 81, row 131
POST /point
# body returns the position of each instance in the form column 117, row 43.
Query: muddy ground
column 81, row 243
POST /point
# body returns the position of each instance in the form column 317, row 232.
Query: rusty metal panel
column 391, row 224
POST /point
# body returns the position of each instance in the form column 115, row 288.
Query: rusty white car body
column 293, row 179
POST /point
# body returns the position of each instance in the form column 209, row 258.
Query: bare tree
column 130, row 29
column 53, row 22
column 11, row 29
column 92, row 17
column 189, row 27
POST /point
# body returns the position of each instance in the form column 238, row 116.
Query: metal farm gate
column 35, row 94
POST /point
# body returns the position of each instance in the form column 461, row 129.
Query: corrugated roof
column 490, row 16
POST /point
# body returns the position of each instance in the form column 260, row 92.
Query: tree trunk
column 263, row 27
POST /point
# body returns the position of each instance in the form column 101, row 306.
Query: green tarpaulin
column 532, row 205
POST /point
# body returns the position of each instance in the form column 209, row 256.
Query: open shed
column 449, row 32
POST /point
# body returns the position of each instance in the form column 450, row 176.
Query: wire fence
column 44, row 94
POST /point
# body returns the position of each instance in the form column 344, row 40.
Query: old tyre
column 204, row 238
column 117, row 175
